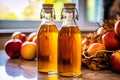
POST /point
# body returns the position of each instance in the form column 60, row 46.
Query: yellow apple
column 94, row 47
column 31, row 36
column 28, row 50
column 35, row 39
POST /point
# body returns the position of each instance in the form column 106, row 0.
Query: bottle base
column 69, row 74
column 50, row 72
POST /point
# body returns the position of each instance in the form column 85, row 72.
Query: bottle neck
column 47, row 16
column 69, row 19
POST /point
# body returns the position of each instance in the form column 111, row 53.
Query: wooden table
column 19, row 69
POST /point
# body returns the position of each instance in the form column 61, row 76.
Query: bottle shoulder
column 48, row 28
column 70, row 29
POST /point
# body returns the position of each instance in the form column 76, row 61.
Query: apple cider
column 69, row 43
column 69, row 51
column 47, row 48
column 47, row 41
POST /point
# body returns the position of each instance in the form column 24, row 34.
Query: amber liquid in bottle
column 47, row 48
column 69, row 51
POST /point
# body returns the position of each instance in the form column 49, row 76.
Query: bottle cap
column 46, row 6
column 69, row 5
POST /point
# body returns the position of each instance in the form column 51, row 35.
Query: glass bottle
column 69, row 43
column 47, row 41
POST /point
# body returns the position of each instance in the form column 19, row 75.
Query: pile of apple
column 105, row 39
column 21, row 45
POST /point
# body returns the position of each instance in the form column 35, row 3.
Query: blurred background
column 27, row 9
column 24, row 15
column 22, row 11
column 30, row 9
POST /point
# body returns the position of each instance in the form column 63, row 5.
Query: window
column 24, row 14
column 28, row 9
column 94, row 10
column 90, row 12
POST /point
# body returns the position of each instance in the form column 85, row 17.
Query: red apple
column 19, row 35
column 12, row 48
column 101, row 30
column 31, row 36
column 117, row 28
column 115, row 61
column 28, row 50
column 111, row 41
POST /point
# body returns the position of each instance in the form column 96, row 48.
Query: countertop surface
column 19, row 69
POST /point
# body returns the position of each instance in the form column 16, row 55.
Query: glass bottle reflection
column 47, row 76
